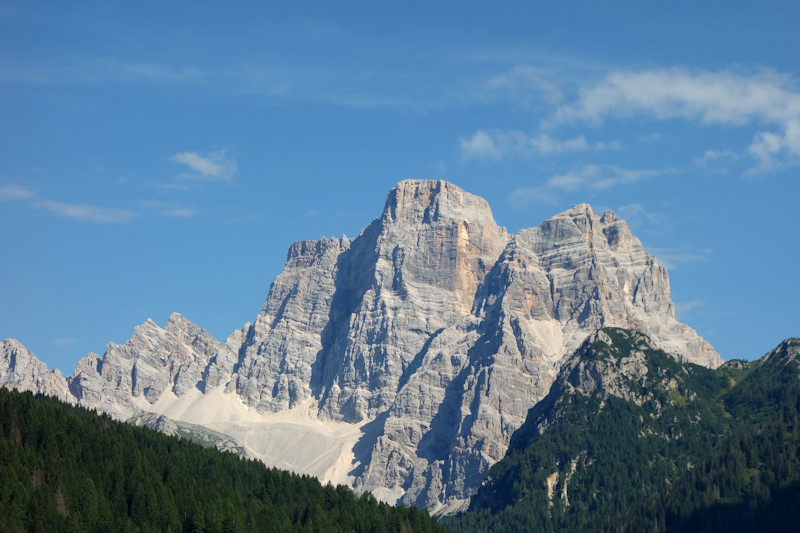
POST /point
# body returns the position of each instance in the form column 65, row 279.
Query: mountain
column 400, row 361
column 629, row 439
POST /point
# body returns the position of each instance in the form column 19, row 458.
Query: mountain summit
column 400, row 361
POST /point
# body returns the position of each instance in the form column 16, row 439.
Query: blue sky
column 162, row 156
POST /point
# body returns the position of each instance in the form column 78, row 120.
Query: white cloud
column 588, row 178
column 526, row 84
column 538, row 194
column 497, row 144
column 776, row 150
column 91, row 213
column 213, row 166
column 598, row 177
column 480, row 145
column 708, row 97
column 711, row 97
column 15, row 192
column 712, row 156
column 680, row 255
column 639, row 215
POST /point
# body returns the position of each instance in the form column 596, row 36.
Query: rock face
column 433, row 332
column 129, row 377
column 21, row 370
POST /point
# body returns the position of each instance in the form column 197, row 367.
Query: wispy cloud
column 685, row 307
column 90, row 213
column 526, row 84
column 598, row 177
column 211, row 167
column 590, row 178
column 637, row 215
column 99, row 70
column 714, row 156
column 15, row 192
column 724, row 98
column 497, row 144
column 672, row 257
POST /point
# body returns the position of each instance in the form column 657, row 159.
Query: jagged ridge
column 414, row 349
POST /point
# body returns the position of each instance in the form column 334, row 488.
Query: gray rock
column 22, row 371
column 178, row 358
column 434, row 330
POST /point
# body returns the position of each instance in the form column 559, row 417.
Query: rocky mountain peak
column 607, row 361
column 21, row 370
column 426, row 201
column 788, row 350
column 430, row 334
column 578, row 226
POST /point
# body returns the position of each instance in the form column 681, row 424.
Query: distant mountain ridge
column 402, row 360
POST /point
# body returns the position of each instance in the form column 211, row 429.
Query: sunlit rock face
column 431, row 335
column 22, row 371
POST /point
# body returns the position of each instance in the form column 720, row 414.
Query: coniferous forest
column 689, row 449
column 676, row 448
column 64, row 468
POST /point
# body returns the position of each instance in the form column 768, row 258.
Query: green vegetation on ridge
column 64, row 468
column 676, row 448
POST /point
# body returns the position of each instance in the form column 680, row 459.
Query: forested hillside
column 631, row 440
column 64, row 468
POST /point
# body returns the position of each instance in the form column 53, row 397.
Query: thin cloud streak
column 598, row 177
column 90, row 213
column 671, row 258
column 498, row 144
column 99, row 71
column 13, row 191
column 590, row 178
column 685, row 307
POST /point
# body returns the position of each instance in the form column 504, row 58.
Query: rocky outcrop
column 130, row 377
column 21, row 370
column 433, row 332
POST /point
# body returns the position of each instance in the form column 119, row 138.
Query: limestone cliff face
column 176, row 359
column 345, row 322
column 434, row 332
column 21, row 370
column 551, row 286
